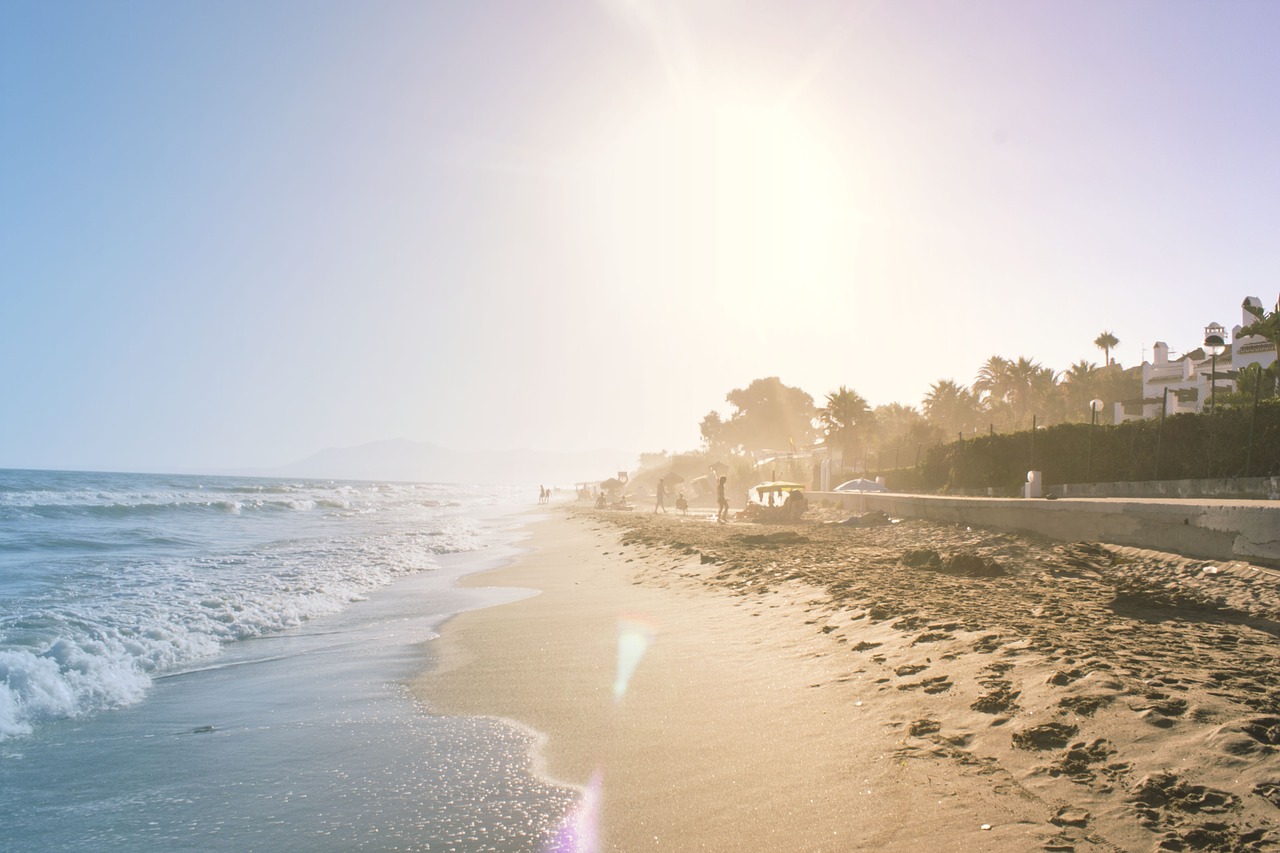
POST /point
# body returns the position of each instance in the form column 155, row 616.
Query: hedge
column 1182, row 447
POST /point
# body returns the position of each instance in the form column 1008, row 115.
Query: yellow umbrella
column 765, row 488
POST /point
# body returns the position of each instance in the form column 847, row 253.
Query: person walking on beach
column 662, row 494
column 723, row 514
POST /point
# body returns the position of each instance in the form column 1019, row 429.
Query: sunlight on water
column 580, row 831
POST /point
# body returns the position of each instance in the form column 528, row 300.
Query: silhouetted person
column 682, row 504
column 723, row 514
column 662, row 496
column 795, row 505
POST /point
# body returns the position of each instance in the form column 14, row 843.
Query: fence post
column 1248, row 456
column 1033, row 443
column 1164, row 404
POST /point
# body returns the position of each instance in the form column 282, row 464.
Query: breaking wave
column 107, row 581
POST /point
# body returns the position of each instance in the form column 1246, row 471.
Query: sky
column 235, row 233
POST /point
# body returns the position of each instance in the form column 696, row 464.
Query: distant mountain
column 419, row 461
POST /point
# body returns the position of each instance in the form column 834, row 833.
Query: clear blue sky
column 235, row 233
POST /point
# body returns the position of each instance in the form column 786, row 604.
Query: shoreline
column 782, row 705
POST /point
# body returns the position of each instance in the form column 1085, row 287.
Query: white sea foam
column 109, row 584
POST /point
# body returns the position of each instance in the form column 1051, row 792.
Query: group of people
column 683, row 505
column 793, row 507
column 544, row 495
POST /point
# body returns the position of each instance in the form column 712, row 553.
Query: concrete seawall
column 1210, row 529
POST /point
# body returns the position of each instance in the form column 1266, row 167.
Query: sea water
column 214, row 663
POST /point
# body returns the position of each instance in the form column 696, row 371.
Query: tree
column 767, row 415
column 951, row 408
column 1116, row 384
column 993, row 388
column 1029, row 389
column 1106, row 342
column 1265, row 324
column 846, row 421
column 1252, row 377
column 902, row 427
column 1080, row 384
column 713, row 431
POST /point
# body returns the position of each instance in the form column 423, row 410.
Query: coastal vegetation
column 1106, row 342
column 1234, row 441
column 980, row 436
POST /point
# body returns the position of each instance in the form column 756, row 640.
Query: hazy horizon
column 233, row 235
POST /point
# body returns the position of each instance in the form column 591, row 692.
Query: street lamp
column 1094, row 405
column 1215, row 346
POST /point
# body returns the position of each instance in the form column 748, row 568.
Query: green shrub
column 1184, row 447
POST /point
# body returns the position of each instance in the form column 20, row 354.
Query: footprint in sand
column 1166, row 801
column 1079, row 760
column 923, row 728
column 1258, row 736
column 1044, row 736
column 1269, row 791
column 1085, row 705
column 1001, row 698
column 935, row 685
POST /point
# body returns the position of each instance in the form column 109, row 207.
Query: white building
column 1187, row 377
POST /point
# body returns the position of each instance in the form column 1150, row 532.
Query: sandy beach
column 911, row 686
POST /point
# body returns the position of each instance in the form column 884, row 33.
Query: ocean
column 220, row 664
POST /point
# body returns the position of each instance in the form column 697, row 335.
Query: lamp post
column 1094, row 405
column 1215, row 346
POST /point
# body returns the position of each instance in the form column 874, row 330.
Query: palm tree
column 846, row 420
column 1079, row 386
column 1106, row 342
column 1027, row 385
column 993, row 389
column 950, row 407
column 1044, row 396
column 903, row 426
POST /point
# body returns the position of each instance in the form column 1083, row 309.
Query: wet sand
column 912, row 686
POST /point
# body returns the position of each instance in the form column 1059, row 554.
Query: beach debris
column 782, row 537
column 874, row 518
column 986, row 827
column 961, row 564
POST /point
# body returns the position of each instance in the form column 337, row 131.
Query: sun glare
column 734, row 197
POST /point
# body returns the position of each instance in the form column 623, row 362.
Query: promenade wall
column 1206, row 528
column 1239, row 488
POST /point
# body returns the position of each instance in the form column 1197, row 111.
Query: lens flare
column 634, row 638
column 579, row 832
